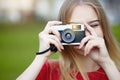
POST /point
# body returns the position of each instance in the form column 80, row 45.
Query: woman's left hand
column 94, row 46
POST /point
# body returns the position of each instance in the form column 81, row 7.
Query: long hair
column 70, row 62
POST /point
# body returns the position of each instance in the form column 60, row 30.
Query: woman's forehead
column 83, row 13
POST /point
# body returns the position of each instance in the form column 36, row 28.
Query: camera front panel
column 71, row 34
column 79, row 35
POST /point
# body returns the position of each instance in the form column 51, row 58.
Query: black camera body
column 71, row 34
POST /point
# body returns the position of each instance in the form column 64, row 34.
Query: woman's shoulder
column 53, row 63
column 49, row 69
column 54, row 69
column 98, row 75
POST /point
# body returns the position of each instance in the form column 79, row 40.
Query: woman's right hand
column 46, row 38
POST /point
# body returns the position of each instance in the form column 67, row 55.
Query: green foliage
column 18, row 45
column 116, row 32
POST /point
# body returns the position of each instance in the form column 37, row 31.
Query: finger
column 89, row 46
column 87, row 33
column 85, row 40
column 51, row 23
column 57, row 40
column 54, row 32
column 51, row 41
column 90, row 29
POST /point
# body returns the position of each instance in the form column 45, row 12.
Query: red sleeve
column 44, row 74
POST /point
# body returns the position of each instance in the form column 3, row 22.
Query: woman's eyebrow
column 88, row 22
column 93, row 21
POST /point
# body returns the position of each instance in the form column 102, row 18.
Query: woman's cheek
column 99, row 32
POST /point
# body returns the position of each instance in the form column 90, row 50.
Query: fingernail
column 62, row 48
column 80, row 47
column 85, row 54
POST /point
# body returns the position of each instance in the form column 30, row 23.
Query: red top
column 50, row 71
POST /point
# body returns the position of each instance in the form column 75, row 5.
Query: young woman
column 96, row 58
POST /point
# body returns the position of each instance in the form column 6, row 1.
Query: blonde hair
column 69, row 61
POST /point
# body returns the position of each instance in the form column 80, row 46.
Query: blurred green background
column 20, row 23
column 18, row 45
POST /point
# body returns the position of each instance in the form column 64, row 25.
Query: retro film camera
column 71, row 34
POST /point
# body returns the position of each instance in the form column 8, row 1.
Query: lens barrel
column 68, row 35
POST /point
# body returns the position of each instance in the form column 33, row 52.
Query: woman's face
column 86, row 14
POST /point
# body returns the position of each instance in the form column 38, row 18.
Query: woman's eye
column 94, row 25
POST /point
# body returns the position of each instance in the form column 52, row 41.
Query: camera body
column 71, row 34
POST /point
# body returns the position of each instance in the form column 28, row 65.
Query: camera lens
column 68, row 36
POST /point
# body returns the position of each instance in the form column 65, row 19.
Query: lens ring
column 71, row 35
